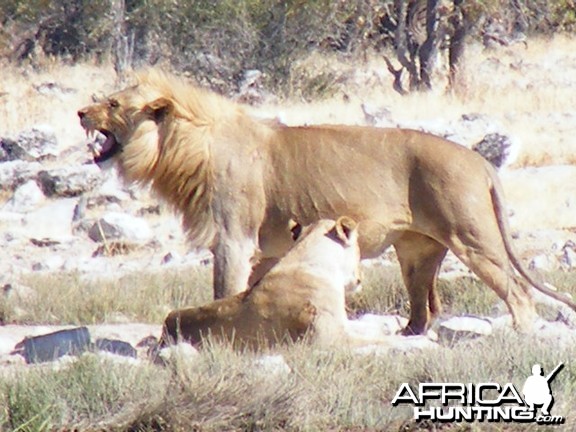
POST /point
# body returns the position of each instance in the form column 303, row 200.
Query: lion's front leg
column 232, row 266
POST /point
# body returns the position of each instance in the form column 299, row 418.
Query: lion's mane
column 181, row 170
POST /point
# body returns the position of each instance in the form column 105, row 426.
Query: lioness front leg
column 232, row 266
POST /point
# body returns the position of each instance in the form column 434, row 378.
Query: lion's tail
column 499, row 209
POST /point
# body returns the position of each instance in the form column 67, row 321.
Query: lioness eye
column 113, row 103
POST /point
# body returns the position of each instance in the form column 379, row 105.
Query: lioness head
column 330, row 248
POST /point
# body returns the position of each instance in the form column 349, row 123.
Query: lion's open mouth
column 102, row 150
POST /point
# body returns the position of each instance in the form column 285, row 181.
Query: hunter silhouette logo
column 492, row 402
column 537, row 391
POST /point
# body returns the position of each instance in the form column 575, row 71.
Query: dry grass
column 221, row 390
column 148, row 297
column 138, row 297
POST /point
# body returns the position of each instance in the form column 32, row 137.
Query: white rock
column 16, row 172
column 376, row 326
column 182, row 351
column 543, row 262
column 50, row 263
column 39, row 141
column 31, row 144
column 271, row 365
column 53, row 220
column 398, row 343
column 464, row 327
column 377, row 115
column 26, row 198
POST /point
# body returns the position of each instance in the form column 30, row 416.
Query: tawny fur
column 303, row 295
column 238, row 181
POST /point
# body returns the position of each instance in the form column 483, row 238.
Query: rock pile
column 57, row 208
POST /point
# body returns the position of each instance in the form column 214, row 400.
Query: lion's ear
column 346, row 229
column 158, row 109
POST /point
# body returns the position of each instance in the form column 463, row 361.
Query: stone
column 250, row 87
column 115, row 346
column 543, row 263
column 11, row 151
column 181, row 351
column 17, row 172
column 495, row 148
column 34, row 144
column 49, row 263
column 460, row 328
column 271, row 365
column 120, row 226
column 53, row 220
column 70, row 181
column 377, row 326
column 49, row 347
column 26, row 197
column 398, row 343
column 171, row 258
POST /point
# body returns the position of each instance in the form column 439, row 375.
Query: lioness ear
column 345, row 229
column 157, row 110
column 295, row 229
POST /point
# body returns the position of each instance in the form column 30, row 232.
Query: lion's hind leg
column 488, row 259
column 420, row 258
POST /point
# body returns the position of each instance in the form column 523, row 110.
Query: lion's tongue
column 107, row 145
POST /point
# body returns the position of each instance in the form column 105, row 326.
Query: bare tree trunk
column 401, row 40
column 460, row 24
column 123, row 46
column 429, row 49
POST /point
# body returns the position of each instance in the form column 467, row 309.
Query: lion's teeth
column 93, row 147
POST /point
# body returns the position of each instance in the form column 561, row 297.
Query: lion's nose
column 81, row 114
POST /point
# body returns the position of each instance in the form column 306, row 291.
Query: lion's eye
column 113, row 103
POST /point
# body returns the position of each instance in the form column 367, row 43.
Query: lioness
column 303, row 294
column 238, row 181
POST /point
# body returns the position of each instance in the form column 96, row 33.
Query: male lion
column 303, row 294
column 238, row 181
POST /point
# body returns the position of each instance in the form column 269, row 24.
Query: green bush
column 217, row 41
